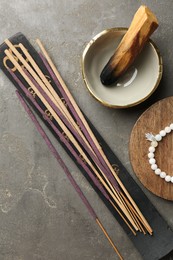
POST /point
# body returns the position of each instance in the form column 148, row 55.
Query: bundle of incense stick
column 79, row 139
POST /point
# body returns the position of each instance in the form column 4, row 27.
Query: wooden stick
column 136, row 217
column 126, row 205
column 90, row 132
column 143, row 25
column 134, row 233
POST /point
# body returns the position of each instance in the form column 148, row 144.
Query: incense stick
column 126, row 207
column 67, row 172
column 131, row 219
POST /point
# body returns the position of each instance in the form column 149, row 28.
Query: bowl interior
column 135, row 85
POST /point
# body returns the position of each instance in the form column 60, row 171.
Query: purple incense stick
column 67, row 172
column 61, row 136
column 97, row 152
column 57, row 156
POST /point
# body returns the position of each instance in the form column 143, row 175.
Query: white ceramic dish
column 135, row 86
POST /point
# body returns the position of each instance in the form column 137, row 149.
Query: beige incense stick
column 134, row 233
column 16, row 64
column 135, row 214
column 132, row 212
column 132, row 215
column 90, row 132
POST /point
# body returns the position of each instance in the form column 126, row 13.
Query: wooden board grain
column 154, row 119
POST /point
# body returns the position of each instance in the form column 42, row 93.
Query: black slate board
column 150, row 247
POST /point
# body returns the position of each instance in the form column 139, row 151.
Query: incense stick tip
column 38, row 41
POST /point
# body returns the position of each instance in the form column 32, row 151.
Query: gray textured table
column 41, row 216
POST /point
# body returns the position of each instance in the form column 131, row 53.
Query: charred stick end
column 107, row 76
column 143, row 25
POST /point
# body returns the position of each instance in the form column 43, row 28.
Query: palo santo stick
column 143, row 25
column 84, row 122
column 70, row 136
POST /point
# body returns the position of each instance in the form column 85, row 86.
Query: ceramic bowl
column 135, row 86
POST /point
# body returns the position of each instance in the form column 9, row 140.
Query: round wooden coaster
column 154, row 119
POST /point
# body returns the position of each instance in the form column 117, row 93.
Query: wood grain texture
column 142, row 26
column 154, row 119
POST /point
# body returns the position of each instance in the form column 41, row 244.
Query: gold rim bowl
column 135, row 86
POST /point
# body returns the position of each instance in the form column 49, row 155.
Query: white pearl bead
column 172, row 179
column 168, row 178
column 154, row 143
column 158, row 138
column 167, row 129
column 162, row 175
column 157, row 171
column 162, row 133
column 154, row 167
column 152, row 161
column 150, row 155
column 171, row 126
column 151, row 149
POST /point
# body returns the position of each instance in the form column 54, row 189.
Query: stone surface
column 41, row 216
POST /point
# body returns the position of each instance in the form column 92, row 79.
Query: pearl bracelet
column 155, row 139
